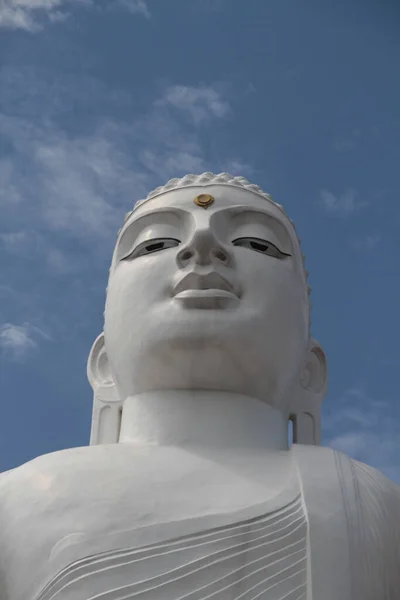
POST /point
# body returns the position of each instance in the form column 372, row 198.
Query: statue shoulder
column 31, row 482
column 366, row 495
column 5, row 533
column 331, row 468
column 357, row 508
column 35, row 465
column 41, row 503
column 377, row 510
column 378, row 495
column 370, row 500
column 77, row 458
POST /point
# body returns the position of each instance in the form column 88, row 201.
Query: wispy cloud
column 14, row 240
column 31, row 15
column 208, row 5
column 29, row 244
column 344, row 204
column 364, row 428
column 18, row 340
column 33, row 92
column 82, row 183
column 199, row 102
column 9, row 192
column 343, row 144
column 367, row 243
column 134, row 7
column 77, row 184
column 238, row 167
column 355, row 138
column 172, row 162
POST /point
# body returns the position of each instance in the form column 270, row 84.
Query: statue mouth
column 205, row 291
column 210, row 282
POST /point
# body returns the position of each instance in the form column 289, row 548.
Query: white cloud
column 14, row 239
column 76, row 176
column 82, row 184
column 29, row 15
column 345, row 144
column 37, row 92
column 367, row 243
column 238, row 167
column 348, row 142
column 200, row 102
column 134, row 6
column 58, row 262
column 172, row 162
column 8, row 190
column 366, row 430
column 17, row 340
column 72, row 184
column 344, row 204
column 26, row 14
column 355, row 138
column 27, row 244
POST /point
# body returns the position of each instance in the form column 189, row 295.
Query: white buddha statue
column 189, row 490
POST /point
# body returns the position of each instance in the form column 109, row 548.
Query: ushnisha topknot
column 208, row 178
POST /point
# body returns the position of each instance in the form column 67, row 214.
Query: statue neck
column 206, row 418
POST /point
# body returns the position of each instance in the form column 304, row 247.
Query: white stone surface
column 188, row 489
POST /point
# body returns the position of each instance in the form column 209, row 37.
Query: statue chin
column 189, row 488
column 208, row 362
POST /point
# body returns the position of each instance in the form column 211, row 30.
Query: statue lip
column 204, row 283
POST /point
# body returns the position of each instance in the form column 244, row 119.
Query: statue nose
column 203, row 249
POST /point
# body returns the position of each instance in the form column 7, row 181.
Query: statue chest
column 263, row 557
column 173, row 524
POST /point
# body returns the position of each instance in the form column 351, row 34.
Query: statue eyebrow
column 176, row 212
column 152, row 216
column 265, row 214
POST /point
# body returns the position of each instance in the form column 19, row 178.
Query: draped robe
column 329, row 531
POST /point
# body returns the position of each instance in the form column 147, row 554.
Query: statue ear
column 315, row 373
column 306, row 409
column 107, row 407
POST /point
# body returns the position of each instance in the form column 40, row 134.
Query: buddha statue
column 189, row 489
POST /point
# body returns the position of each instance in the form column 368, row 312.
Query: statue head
column 208, row 290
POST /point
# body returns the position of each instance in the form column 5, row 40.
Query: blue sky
column 103, row 100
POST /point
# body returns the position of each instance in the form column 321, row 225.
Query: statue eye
column 151, row 246
column 259, row 245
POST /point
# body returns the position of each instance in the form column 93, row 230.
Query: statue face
column 207, row 297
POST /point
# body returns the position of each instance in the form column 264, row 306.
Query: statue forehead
column 222, row 197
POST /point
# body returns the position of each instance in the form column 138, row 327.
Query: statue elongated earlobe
column 107, row 407
column 306, row 409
